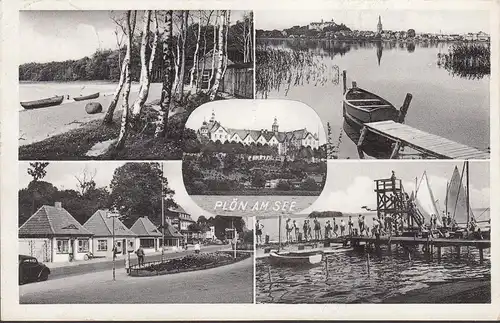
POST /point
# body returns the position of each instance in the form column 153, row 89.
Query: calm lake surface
column 449, row 106
column 347, row 279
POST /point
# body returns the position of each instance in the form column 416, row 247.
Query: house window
column 83, row 245
column 62, row 246
column 148, row 243
column 102, row 245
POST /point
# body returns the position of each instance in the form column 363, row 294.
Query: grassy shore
column 467, row 291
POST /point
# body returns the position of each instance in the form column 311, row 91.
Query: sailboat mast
column 446, row 198
column 279, row 233
column 467, row 190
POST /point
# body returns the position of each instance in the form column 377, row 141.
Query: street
column 90, row 266
column 226, row 284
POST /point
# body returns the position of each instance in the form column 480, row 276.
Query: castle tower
column 275, row 125
column 379, row 26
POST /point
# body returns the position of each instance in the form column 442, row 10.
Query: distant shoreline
column 375, row 40
column 263, row 192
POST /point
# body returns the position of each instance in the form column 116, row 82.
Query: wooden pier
column 428, row 244
column 432, row 145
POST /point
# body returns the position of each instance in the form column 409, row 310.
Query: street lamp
column 113, row 215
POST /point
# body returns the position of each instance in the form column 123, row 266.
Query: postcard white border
column 11, row 310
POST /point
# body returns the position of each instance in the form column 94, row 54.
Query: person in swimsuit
column 309, row 230
column 335, row 228
column 350, row 223
column 305, row 230
column 258, row 231
column 361, row 225
column 296, row 230
column 342, row 227
column 288, row 228
column 317, row 229
column 328, row 228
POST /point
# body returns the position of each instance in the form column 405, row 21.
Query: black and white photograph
column 391, row 232
column 121, row 84
column 407, row 84
column 255, row 148
column 121, row 232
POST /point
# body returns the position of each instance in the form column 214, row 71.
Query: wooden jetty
column 428, row 244
column 426, row 143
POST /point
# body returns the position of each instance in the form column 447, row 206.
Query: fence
column 238, row 82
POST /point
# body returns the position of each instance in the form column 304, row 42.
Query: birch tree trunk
column 155, row 43
column 144, row 78
column 214, row 51
column 199, row 79
column 177, row 64
column 183, row 53
column 220, row 49
column 126, row 90
column 129, row 28
column 166, row 91
column 195, row 57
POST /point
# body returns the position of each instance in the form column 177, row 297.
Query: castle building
column 320, row 25
column 284, row 140
column 379, row 26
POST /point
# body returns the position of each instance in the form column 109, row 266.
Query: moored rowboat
column 43, row 103
column 296, row 258
column 364, row 106
column 86, row 97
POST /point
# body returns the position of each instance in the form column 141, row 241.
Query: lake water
column 347, row 279
column 449, row 106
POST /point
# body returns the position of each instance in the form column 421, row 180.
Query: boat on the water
column 87, row 97
column 296, row 258
column 43, row 103
column 363, row 106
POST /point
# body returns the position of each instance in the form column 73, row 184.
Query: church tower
column 379, row 26
column 212, row 119
column 275, row 125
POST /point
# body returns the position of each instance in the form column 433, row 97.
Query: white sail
column 424, row 200
column 457, row 199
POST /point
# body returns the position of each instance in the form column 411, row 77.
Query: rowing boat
column 296, row 258
column 86, row 97
column 43, row 103
column 364, row 106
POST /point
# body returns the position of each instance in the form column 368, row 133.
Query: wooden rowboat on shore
column 43, row 103
column 86, row 97
column 297, row 258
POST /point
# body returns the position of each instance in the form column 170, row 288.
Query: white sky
column 452, row 21
column 61, row 35
column 259, row 114
column 350, row 185
column 62, row 175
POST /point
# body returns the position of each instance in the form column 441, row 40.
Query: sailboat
column 425, row 201
column 457, row 199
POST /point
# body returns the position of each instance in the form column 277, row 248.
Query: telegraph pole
column 162, row 218
column 113, row 216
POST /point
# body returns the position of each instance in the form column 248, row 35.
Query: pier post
column 481, row 256
column 439, row 253
column 404, row 109
column 458, row 252
column 362, row 136
column 344, row 81
column 395, row 150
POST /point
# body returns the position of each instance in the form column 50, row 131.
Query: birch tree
column 144, row 77
column 199, row 80
column 166, row 91
column 127, row 84
column 214, row 50
column 182, row 72
column 128, row 31
column 220, row 50
column 194, row 69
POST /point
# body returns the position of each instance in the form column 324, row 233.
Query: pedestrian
column 288, row 228
column 342, row 227
column 258, row 231
column 350, row 224
column 140, row 256
column 393, row 181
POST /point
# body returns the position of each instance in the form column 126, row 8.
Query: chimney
column 58, row 205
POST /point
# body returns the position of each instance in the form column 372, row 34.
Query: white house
column 148, row 236
column 101, row 226
column 52, row 234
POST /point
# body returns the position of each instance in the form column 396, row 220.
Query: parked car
column 31, row 270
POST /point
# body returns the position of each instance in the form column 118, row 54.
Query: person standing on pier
column 306, row 230
column 296, row 230
column 350, row 223
column 342, row 227
column 335, row 228
column 309, row 230
column 288, row 228
column 328, row 229
column 258, row 231
column 361, row 225
column 317, row 229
